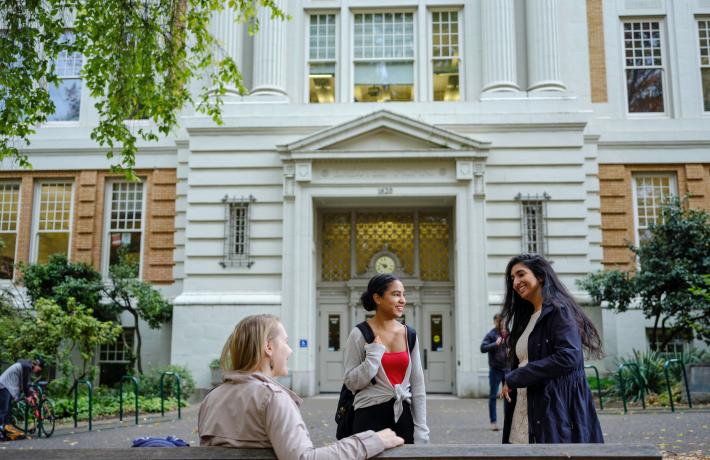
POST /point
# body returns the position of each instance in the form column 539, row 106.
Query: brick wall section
column 597, row 56
column 160, row 227
column 615, row 182
column 88, row 220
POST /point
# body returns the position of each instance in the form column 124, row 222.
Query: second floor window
column 125, row 229
column 236, row 238
column 533, row 225
column 53, row 213
column 66, row 94
column 383, row 51
column 651, row 192
column 9, row 212
column 643, row 61
column 704, row 38
column 445, row 55
column 321, row 58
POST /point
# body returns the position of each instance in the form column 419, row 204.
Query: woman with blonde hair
column 252, row 410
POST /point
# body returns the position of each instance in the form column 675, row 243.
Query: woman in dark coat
column 548, row 332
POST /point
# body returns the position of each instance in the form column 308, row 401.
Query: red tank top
column 395, row 366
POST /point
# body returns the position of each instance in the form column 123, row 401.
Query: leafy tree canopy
column 672, row 261
column 140, row 60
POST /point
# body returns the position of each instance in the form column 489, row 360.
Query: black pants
column 381, row 416
column 5, row 402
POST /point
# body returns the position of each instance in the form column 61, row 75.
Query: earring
column 271, row 364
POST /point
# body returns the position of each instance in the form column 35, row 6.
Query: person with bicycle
column 14, row 382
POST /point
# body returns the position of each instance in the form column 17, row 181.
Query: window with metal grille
column 322, row 58
column 533, row 228
column 237, row 222
column 643, row 60
column 445, row 55
column 704, row 42
column 9, row 212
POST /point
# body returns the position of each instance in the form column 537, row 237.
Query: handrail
column 623, row 385
column 666, row 365
column 133, row 379
column 162, row 392
column 90, row 388
column 599, row 384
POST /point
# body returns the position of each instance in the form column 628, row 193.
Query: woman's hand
column 505, row 393
column 389, row 438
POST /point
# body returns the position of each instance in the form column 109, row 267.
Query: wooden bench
column 431, row 451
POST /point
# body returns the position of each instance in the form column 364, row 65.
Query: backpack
column 345, row 413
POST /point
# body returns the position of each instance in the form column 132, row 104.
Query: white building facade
column 432, row 139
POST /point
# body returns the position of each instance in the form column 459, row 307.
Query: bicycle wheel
column 47, row 418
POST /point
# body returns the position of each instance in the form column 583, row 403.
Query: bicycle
column 34, row 413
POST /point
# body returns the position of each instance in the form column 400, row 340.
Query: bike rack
column 622, row 384
column 666, row 365
column 162, row 392
column 599, row 384
column 134, row 380
column 90, row 388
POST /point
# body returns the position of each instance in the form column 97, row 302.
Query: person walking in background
column 396, row 398
column 550, row 399
column 494, row 343
column 252, row 410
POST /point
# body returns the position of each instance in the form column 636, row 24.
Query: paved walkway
column 451, row 420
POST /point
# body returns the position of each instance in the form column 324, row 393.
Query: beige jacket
column 253, row 410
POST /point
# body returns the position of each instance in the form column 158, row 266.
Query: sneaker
column 494, row 427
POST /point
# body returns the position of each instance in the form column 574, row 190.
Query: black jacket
column 497, row 355
column 560, row 404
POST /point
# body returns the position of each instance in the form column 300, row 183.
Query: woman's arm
column 421, row 430
column 564, row 359
column 290, row 439
column 358, row 373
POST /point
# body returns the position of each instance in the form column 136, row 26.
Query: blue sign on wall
column 303, row 343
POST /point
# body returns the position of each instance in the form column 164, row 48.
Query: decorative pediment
column 381, row 132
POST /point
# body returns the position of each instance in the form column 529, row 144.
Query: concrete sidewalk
column 451, row 421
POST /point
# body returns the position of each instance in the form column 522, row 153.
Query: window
column 66, row 94
column 384, row 57
column 533, row 228
column 677, row 345
column 125, row 223
column 237, row 219
column 115, row 358
column 704, row 37
column 650, row 193
column 9, row 212
column 321, row 59
column 644, row 66
column 52, row 220
column 445, row 55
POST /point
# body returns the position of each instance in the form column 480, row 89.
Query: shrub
column 150, row 382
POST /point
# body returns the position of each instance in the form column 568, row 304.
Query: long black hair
column 378, row 285
column 517, row 311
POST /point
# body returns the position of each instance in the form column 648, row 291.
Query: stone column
column 226, row 30
column 269, row 54
column 498, row 24
column 543, row 45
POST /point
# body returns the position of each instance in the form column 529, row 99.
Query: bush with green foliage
column 149, row 382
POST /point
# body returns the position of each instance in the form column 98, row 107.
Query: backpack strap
column 411, row 338
column 366, row 331
column 369, row 337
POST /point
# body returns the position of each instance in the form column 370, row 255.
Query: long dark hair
column 378, row 285
column 517, row 311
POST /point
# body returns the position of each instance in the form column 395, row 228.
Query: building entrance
column 414, row 246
